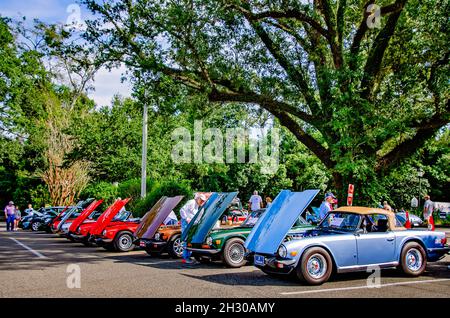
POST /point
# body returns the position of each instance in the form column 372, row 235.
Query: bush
column 101, row 190
column 164, row 188
column 132, row 188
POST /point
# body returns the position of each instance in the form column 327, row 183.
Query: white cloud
column 107, row 84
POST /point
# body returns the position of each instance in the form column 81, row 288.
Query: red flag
column 431, row 222
column 408, row 222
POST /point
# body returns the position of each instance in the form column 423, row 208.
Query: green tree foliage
column 164, row 188
column 361, row 99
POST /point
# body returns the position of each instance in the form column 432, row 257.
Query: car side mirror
column 359, row 231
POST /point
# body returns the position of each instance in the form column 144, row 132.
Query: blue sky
column 107, row 84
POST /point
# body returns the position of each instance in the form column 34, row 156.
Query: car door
column 375, row 247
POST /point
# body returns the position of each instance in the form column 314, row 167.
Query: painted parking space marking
column 29, row 248
column 365, row 287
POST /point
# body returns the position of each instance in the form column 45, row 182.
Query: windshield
column 122, row 216
column 339, row 221
column 252, row 218
column 300, row 221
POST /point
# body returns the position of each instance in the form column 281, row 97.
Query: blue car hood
column 207, row 216
column 272, row 227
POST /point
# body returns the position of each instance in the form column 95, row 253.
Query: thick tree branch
column 312, row 144
column 296, row 75
column 376, row 54
column 396, row 7
column 266, row 102
column 424, row 132
column 288, row 14
column 330, row 19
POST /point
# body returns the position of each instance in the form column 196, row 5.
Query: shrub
column 101, row 190
column 164, row 188
column 132, row 188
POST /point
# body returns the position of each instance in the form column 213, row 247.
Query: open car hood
column 80, row 205
column 207, row 217
column 271, row 228
column 84, row 215
column 107, row 216
column 153, row 219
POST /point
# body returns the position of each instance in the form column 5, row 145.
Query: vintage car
column 163, row 238
column 226, row 243
column 66, row 222
column 113, row 229
column 156, row 238
column 68, row 214
column 414, row 220
column 81, row 227
column 348, row 239
column 35, row 220
column 215, row 241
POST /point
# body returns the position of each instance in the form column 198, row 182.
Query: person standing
column 10, row 215
column 387, row 207
column 255, row 201
column 17, row 217
column 187, row 212
column 268, row 202
column 29, row 210
column 327, row 205
column 428, row 208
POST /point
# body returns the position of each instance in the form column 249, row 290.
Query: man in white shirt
column 255, row 201
column 187, row 212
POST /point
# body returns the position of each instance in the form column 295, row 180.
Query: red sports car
column 81, row 228
column 116, row 235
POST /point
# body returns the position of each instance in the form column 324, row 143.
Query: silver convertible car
column 348, row 239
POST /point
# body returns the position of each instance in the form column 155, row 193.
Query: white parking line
column 29, row 248
column 364, row 287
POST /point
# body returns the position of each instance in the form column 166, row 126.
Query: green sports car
column 226, row 243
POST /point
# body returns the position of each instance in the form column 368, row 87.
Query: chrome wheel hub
column 236, row 253
column 125, row 242
column 178, row 247
column 414, row 259
column 316, row 266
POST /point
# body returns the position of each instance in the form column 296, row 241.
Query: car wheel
column 413, row 259
column 124, row 242
column 35, row 226
column 315, row 266
column 202, row 259
column 175, row 247
column 233, row 253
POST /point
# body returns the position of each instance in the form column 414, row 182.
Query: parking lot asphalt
column 37, row 264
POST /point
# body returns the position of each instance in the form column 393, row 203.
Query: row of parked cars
column 278, row 240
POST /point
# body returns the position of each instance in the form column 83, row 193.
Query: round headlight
column 209, row 240
column 282, row 251
column 157, row 236
column 104, row 232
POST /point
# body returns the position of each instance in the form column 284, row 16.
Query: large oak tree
column 361, row 94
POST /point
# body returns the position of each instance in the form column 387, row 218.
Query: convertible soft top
column 366, row 211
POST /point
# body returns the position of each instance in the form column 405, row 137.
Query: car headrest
column 382, row 225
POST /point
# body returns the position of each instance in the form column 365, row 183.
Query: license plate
column 142, row 244
column 259, row 260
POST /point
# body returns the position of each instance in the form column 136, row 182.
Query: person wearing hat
column 428, row 208
column 10, row 215
column 187, row 212
column 327, row 205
